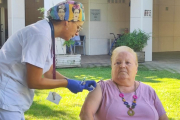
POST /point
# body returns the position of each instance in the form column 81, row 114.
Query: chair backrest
column 82, row 37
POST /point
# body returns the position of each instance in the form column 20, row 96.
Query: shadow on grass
column 155, row 76
column 37, row 93
column 144, row 74
column 173, row 119
column 43, row 111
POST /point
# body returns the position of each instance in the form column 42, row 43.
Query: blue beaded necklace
column 130, row 111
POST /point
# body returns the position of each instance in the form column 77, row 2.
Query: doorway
column 3, row 23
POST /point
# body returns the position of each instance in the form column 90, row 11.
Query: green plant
column 69, row 44
column 136, row 40
column 41, row 10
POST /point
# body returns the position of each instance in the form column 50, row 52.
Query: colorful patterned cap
column 68, row 11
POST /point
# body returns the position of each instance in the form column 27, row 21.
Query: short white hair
column 127, row 49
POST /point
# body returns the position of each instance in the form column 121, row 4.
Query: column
column 16, row 16
column 141, row 18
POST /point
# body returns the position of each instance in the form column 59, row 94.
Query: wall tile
column 177, row 14
column 177, row 2
column 166, row 2
column 155, row 44
column 176, row 43
column 156, row 13
column 98, row 30
column 166, row 44
column 166, row 15
column 99, row 46
column 127, row 13
column 165, row 29
column 155, row 29
column 155, row 2
column 116, row 28
column 127, row 25
column 176, row 29
column 116, row 12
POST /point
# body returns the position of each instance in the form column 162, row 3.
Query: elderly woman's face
column 123, row 66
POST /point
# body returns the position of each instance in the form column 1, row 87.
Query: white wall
column 114, row 18
column 16, row 16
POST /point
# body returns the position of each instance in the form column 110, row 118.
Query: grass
column 166, row 85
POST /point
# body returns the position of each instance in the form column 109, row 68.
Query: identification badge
column 54, row 97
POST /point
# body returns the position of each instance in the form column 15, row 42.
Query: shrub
column 136, row 40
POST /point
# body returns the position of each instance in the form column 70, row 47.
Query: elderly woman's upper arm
column 163, row 117
column 91, row 104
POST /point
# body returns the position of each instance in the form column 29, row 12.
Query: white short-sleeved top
column 31, row 44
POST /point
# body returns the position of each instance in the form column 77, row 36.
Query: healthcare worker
column 27, row 55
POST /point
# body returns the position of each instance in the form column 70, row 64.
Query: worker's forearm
column 45, row 83
column 50, row 75
column 59, row 76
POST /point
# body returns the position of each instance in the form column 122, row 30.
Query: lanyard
column 53, row 48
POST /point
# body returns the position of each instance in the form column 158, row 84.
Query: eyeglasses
column 79, row 28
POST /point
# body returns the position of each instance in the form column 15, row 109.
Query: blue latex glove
column 75, row 86
column 90, row 85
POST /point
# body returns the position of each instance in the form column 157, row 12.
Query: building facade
column 161, row 18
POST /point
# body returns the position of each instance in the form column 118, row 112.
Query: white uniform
column 31, row 45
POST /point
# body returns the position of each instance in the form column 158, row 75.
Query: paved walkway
column 169, row 61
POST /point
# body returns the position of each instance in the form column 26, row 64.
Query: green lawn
column 166, row 84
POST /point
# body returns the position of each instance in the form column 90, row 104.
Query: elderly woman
column 27, row 55
column 122, row 97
